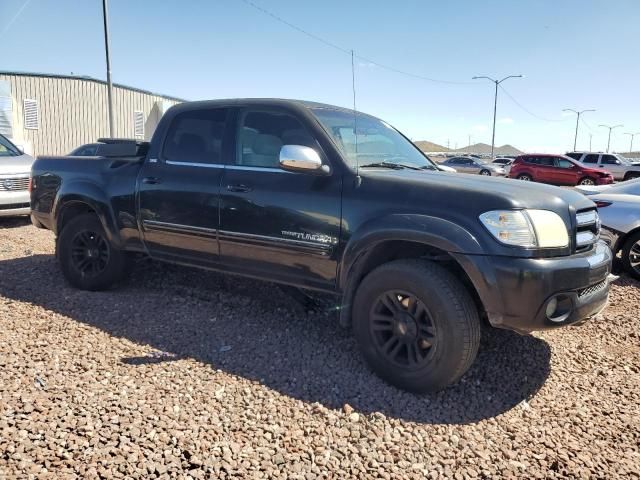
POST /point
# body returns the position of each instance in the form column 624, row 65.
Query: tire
column 630, row 256
column 587, row 181
column 87, row 258
column 525, row 177
column 485, row 172
column 631, row 176
column 443, row 341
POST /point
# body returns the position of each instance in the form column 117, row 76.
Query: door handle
column 151, row 180
column 239, row 188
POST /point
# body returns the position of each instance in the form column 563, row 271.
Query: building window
column 138, row 123
column 31, row 114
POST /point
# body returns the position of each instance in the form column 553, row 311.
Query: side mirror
column 298, row 158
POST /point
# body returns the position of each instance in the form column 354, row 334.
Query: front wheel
column 587, row 181
column 525, row 178
column 485, row 172
column 631, row 255
column 87, row 258
column 416, row 325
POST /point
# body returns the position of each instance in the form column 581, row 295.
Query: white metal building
column 49, row 114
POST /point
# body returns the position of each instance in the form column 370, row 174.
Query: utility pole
column 610, row 128
column 632, row 135
column 105, row 17
column 578, row 113
column 590, row 138
column 495, row 106
column 469, row 140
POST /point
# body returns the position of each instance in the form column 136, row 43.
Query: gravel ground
column 182, row 373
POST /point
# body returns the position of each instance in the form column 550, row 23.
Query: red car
column 556, row 170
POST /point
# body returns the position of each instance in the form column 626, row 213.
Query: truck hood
column 16, row 165
column 474, row 194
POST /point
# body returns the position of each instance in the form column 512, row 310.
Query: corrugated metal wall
column 74, row 111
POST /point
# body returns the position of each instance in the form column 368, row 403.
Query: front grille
column 592, row 289
column 587, row 229
column 13, row 206
column 13, row 184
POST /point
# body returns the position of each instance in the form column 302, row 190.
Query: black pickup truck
column 320, row 197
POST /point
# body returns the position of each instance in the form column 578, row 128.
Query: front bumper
column 515, row 292
column 14, row 203
column 604, row 180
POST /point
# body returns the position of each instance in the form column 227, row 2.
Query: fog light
column 551, row 307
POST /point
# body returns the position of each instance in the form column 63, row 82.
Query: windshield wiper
column 392, row 165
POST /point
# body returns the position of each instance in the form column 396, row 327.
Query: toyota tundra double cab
column 325, row 198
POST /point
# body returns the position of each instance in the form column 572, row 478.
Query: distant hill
column 480, row 148
column 427, row 146
column 483, row 148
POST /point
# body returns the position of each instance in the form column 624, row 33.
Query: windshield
column 8, row 149
column 375, row 143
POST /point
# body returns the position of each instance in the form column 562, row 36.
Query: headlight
column 527, row 228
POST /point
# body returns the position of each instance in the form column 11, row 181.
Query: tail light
column 602, row 203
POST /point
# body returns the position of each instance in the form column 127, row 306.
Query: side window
column 532, row 160
column 195, row 137
column 575, row 156
column 88, row 151
column 262, row 134
column 547, row 161
column 563, row 163
column 591, row 158
column 609, row 160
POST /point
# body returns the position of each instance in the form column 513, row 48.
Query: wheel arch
column 404, row 237
column 90, row 200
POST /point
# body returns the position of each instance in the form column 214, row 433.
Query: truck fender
column 87, row 193
column 433, row 231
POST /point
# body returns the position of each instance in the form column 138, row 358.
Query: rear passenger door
column 179, row 187
column 613, row 165
column 547, row 171
column 274, row 223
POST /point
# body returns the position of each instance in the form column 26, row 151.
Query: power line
column 15, row 17
column 527, row 110
column 347, row 50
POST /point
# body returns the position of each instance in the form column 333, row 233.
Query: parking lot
column 187, row 371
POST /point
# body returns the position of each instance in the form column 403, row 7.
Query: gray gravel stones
column 189, row 374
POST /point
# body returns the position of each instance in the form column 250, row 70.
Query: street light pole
column 495, row 106
column 578, row 113
column 610, row 128
column 590, row 138
column 632, row 135
column 105, row 17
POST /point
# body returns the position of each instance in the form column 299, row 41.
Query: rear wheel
column 587, row 181
column 631, row 175
column 525, row 177
column 87, row 258
column 416, row 325
column 631, row 255
column 485, row 172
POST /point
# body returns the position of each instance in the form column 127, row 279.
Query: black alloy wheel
column 402, row 328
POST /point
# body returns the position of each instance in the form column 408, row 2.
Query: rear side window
column 262, row 134
column 196, row 137
column 609, row 160
column 591, row 158
column 546, row 161
column 532, row 160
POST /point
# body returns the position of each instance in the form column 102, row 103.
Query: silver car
column 15, row 168
column 619, row 209
column 475, row 165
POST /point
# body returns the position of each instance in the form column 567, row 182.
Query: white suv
column 620, row 167
column 15, row 168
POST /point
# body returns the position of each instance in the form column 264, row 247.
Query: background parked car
column 15, row 169
column 556, row 170
column 474, row 165
column 619, row 209
column 621, row 168
column 504, row 163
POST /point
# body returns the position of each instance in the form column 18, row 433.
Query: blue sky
column 574, row 54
